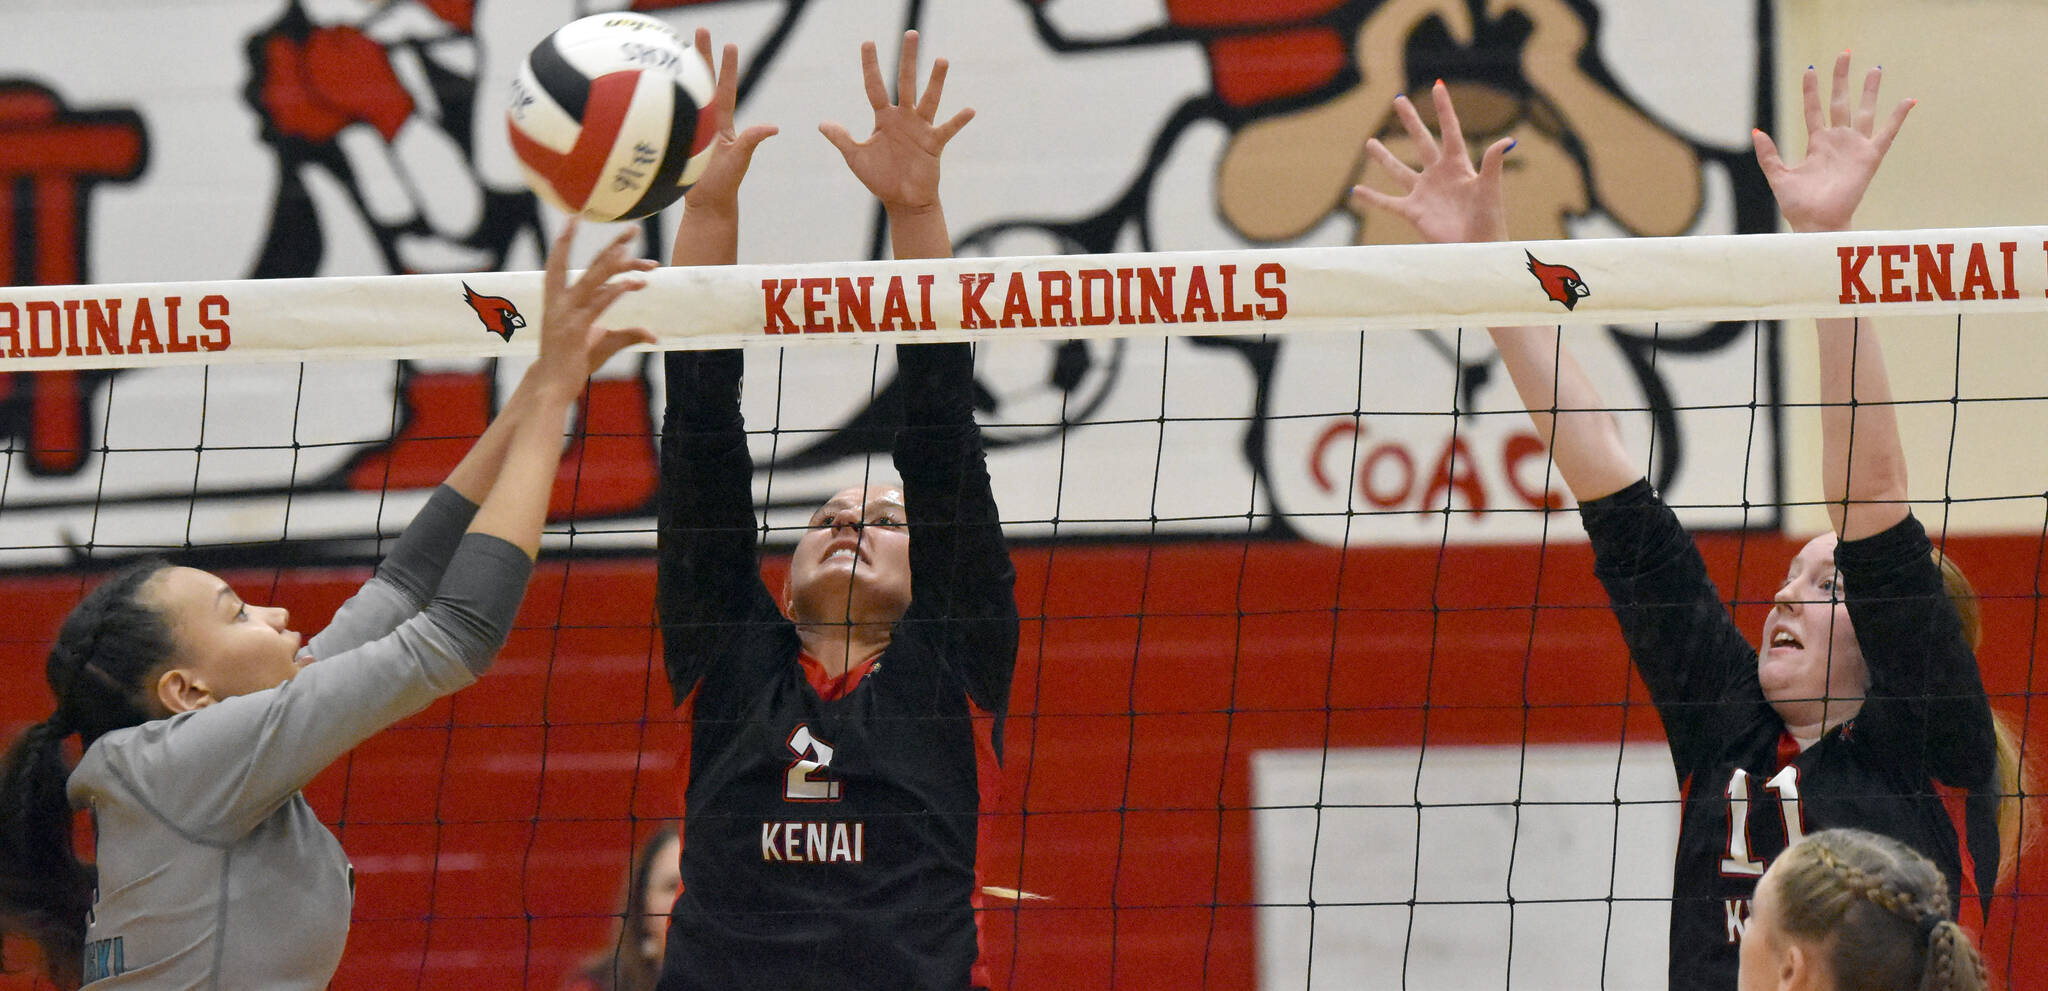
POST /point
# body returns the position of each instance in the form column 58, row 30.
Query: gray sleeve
column 406, row 579
column 480, row 599
column 215, row 773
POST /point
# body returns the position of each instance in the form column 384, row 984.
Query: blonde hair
column 1879, row 910
column 2014, row 781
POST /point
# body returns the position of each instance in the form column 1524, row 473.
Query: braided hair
column 1882, row 910
column 99, row 669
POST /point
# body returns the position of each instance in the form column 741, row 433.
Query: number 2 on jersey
column 809, row 778
column 1786, row 784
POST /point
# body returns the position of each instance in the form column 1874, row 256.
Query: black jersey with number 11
column 1749, row 791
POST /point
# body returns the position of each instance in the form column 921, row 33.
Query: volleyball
column 609, row 116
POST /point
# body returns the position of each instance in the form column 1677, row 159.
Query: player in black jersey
column 839, row 745
column 1866, row 690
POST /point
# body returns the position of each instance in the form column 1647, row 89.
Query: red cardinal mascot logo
column 500, row 317
column 1560, row 282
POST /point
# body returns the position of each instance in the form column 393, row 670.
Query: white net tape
column 1610, row 281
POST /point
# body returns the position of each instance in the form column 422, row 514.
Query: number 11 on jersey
column 1785, row 784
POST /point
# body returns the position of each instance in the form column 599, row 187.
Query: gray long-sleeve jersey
column 213, row 871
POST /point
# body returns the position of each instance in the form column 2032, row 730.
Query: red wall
column 490, row 832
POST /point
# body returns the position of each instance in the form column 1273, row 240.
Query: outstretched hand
column 1843, row 151
column 718, row 188
column 1447, row 200
column 899, row 162
column 572, row 346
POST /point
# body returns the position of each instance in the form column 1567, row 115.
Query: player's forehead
column 1817, row 555
column 181, row 589
column 864, row 497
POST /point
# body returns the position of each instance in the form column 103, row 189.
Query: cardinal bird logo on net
column 1560, row 282
column 500, row 317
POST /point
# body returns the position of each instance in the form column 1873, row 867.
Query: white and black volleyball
column 610, row 116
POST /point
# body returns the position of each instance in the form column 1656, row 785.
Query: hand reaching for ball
column 718, row 188
column 899, row 161
column 572, row 345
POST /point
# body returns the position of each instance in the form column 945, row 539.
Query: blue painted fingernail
column 1509, row 148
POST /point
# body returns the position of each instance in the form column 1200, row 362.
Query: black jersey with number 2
column 830, row 826
column 1748, row 789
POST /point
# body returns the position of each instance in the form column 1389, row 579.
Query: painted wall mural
column 319, row 137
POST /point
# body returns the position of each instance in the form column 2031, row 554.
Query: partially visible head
column 221, row 647
column 155, row 640
column 108, row 651
column 1809, row 651
column 634, row 961
column 1848, row 910
column 853, row 563
column 657, row 877
column 105, row 652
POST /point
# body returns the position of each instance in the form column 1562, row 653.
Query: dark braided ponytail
column 1884, row 907
column 99, row 670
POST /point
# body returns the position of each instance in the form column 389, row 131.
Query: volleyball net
column 1316, row 686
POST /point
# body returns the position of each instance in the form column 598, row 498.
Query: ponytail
column 1952, row 963
column 2014, row 786
column 2014, row 781
column 44, row 890
column 99, row 669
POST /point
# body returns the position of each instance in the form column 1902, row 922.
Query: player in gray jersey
column 202, row 716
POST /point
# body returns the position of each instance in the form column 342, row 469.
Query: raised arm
column 407, row 577
column 1863, row 465
column 710, row 230
column 962, row 581
column 1449, row 201
column 1924, row 682
column 899, row 162
column 405, row 581
column 707, row 567
column 219, row 770
column 572, row 346
column 1679, row 634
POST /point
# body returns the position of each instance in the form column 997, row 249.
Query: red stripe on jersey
column 1953, row 801
column 574, row 173
column 829, row 688
column 1788, row 750
column 988, row 773
column 977, row 975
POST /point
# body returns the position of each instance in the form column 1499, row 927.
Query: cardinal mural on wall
column 380, row 128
